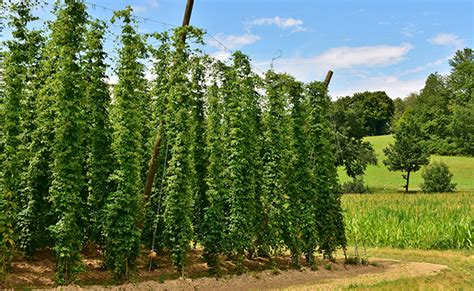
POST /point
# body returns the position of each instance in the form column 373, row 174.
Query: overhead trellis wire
column 147, row 20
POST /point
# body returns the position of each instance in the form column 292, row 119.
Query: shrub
column 355, row 186
column 437, row 178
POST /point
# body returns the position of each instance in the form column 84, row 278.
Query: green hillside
column 379, row 178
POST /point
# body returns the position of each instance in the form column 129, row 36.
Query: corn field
column 419, row 221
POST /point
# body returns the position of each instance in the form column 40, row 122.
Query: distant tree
column 376, row 109
column 351, row 150
column 408, row 153
column 432, row 112
column 461, row 80
column 462, row 128
column 400, row 106
column 461, row 84
column 442, row 110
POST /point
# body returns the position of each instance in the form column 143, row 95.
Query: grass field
column 416, row 221
column 390, row 218
column 379, row 178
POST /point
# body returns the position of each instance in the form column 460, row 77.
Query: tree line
column 437, row 120
column 444, row 108
column 246, row 163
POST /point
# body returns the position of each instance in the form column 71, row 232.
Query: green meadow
column 380, row 179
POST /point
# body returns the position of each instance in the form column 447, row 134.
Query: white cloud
column 222, row 55
column 340, row 58
column 372, row 56
column 449, row 39
column 352, row 69
column 233, row 41
column 281, row 22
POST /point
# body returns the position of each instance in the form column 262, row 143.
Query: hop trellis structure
column 248, row 169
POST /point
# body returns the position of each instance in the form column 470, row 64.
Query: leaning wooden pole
column 328, row 79
column 152, row 165
column 187, row 14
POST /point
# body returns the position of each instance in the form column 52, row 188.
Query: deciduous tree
column 376, row 109
column 408, row 153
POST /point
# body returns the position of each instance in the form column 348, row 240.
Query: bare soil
column 38, row 272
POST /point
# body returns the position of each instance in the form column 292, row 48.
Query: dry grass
column 459, row 276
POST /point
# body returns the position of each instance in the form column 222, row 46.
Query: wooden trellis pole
column 328, row 79
column 157, row 146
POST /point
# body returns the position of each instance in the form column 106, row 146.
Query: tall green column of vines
column 199, row 156
column 180, row 172
column 152, row 235
column 275, row 199
column 213, row 226
column 298, row 172
column 68, row 151
column 17, row 63
column 122, row 212
column 38, row 213
column 99, row 160
column 328, row 211
column 238, row 173
column 34, row 81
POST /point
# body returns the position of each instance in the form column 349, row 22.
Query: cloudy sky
column 389, row 45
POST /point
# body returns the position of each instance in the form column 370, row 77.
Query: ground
column 387, row 268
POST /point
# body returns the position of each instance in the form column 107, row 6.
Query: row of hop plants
column 246, row 166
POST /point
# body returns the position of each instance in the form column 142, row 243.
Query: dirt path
column 394, row 270
column 339, row 276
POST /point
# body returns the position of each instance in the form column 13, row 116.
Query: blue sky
column 370, row 45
